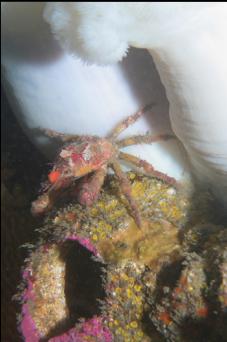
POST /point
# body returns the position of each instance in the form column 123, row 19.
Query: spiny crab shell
column 85, row 157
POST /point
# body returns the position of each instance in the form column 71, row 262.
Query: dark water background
column 22, row 167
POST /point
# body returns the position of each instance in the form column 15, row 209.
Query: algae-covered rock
column 192, row 305
column 95, row 274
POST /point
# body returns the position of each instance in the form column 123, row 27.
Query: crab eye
column 54, row 176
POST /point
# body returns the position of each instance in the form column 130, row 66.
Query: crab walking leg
column 127, row 122
column 46, row 201
column 68, row 137
column 90, row 188
column 126, row 189
column 148, row 168
column 143, row 139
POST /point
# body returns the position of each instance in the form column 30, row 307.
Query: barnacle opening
column 84, row 280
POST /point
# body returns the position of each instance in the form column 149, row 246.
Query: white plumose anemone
column 50, row 87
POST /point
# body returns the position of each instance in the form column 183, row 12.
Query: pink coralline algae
column 91, row 330
column 85, row 242
column 27, row 325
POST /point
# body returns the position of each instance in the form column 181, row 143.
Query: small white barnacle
column 87, row 153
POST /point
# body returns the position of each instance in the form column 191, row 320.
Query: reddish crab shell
column 87, row 157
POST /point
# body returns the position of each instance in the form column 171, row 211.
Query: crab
column 88, row 157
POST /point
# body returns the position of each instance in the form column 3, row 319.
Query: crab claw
column 41, row 205
column 91, row 186
column 86, row 196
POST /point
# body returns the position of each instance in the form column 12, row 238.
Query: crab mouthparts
column 85, row 170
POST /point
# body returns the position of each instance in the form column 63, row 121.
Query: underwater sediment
column 94, row 276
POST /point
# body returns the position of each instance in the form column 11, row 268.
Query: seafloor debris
column 94, row 276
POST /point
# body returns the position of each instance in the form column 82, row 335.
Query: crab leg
column 90, row 188
column 68, row 137
column 127, row 122
column 143, row 139
column 126, row 189
column 148, row 168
